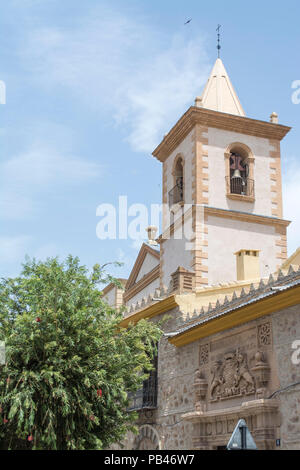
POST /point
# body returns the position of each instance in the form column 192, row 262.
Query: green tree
column 69, row 366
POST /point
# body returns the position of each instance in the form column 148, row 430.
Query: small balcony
column 240, row 188
column 176, row 194
column 146, row 397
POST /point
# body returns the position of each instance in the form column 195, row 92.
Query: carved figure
column 243, row 373
column 217, row 380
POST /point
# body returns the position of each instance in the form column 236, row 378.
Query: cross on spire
column 219, row 45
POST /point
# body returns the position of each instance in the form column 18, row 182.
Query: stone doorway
column 213, row 429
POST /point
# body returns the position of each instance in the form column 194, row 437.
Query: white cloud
column 291, row 198
column 41, row 166
column 24, row 178
column 120, row 65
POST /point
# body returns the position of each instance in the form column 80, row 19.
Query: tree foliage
column 69, row 367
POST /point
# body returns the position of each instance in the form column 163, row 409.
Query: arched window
column 239, row 172
column 176, row 195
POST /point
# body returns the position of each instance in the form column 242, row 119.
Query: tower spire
column 219, row 94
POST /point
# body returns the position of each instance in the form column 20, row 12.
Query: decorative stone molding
column 261, row 372
column 212, row 429
column 281, row 244
column 147, row 439
column 200, row 166
column 204, row 354
column 264, row 334
column 200, row 195
column 200, row 391
column 247, row 217
column 209, row 118
column 183, row 280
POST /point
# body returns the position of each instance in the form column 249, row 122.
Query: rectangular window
column 146, row 397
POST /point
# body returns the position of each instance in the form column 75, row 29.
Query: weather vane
column 219, row 45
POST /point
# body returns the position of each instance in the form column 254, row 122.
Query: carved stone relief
column 231, row 377
column 264, row 335
column 204, row 354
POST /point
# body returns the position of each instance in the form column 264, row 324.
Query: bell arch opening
column 240, row 172
column 176, row 195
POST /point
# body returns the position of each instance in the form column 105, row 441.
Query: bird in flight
column 188, row 21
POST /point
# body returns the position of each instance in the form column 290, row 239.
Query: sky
column 91, row 89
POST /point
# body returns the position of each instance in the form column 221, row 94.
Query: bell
column 237, row 174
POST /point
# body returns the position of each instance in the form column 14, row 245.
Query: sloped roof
column 275, row 286
column 219, row 94
column 294, row 259
column 110, row 286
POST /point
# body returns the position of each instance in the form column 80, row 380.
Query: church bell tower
column 221, row 176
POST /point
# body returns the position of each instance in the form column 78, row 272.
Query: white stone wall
column 227, row 236
column 150, row 262
column 176, row 252
column 185, row 149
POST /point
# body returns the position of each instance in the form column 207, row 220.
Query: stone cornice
column 250, row 407
column 245, row 216
column 152, row 311
column 239, row 316
column 224, row 213
column 209, row 118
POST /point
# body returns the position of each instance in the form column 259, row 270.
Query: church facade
column 220, row 273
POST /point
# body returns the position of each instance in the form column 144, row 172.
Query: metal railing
column 242, row 186
column 176, row 194
column 146, row 397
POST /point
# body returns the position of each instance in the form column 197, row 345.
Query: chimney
column 247, row 265
column 274, row 118
column 183, row 280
